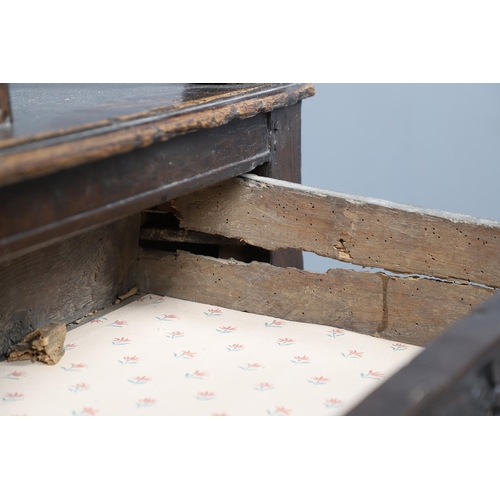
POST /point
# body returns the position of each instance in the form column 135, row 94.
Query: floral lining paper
column 165, row 356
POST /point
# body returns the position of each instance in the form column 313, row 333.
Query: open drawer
column 204, row 249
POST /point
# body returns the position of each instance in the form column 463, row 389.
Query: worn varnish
column 42, row 210
column 82, row 128
column 400, row 309
column 364, row 231
column 65, row 281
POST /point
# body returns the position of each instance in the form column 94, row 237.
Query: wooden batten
column 373, row 233
column 410, row 310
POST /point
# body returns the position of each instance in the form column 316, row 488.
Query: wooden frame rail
column 375, row 233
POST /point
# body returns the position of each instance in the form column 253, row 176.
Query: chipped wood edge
column 44, row 158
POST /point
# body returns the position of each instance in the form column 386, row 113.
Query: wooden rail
column 275, row 214
column 410, row 310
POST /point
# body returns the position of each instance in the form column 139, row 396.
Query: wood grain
column 65, row 281
column 411, row 310
column 285, row 164
column 60, row 147
column 365, row 231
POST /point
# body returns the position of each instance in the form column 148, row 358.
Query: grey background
column 430, row 145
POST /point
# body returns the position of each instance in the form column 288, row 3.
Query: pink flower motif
column 147, row 400
column 335, row 332
column 79, row 387
column 286, row 341
column 90, row 411
column 264, row 386
column 225, row 329
column 223, row 414
column 86, row 412
column 139, row 380
column 68, row 347
column 300, row 360
column 197, row 374
column 119, row 323
column 251, row 366
column 399, row 347
column 274, row 324
column 144, row 402
column 74, row 367
column 235, row 347
column 13, row 396
column 318, row 380
column 280, row 411
column 99, row 320
column 185, row 354
column 167, row 317
column 175, row 335
column 213, row 312
column 121, row 341
column 129, row 360
column 334, row 403
column 373, row 375
column 353, row 354
column 15, row 375
column 205, row 396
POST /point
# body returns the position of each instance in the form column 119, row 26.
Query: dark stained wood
column 43, row 210
column 83, row 127
column 5, row 108
column 182, row 236
column 285, row 164
column 400, row 238
column 458, row 373
column 65, row 281
column 401, row 309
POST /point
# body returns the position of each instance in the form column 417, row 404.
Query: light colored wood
column 43, row 344
column 373, row 233
column 409, row 310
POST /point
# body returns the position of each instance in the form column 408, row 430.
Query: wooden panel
column 458, row 373
column 42, row 210
column 411, row 310
column 365, row 231
column 65, row 281
column 61, row 128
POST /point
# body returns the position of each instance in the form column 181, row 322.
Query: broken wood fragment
column 43, row 344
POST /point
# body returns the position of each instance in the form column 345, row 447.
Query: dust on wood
column 43, row 344
column 410, row 310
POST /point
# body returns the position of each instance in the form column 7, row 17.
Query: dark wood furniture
column 107, row 187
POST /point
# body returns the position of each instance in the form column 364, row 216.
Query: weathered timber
column 44, row 344
column 65, row 281
column 457, row 374
column 411, row 310
column 183, row 236
column 285, row 164
column 375, row 233
column 40, row 211
column 53, row 133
